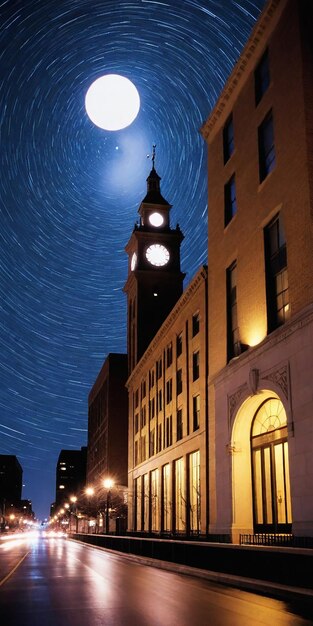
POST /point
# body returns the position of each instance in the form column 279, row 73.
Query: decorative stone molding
column 281, row 378
column 235, row 399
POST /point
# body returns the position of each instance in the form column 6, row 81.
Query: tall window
column 270, row 468
column 261, row 77
column 151, row 379
column 180, row 498
column 228, row 139
column 179, row 381
column 194, row 491
column 195, row 324
column 146, row 502
column 143, row 417
column 155, row 500
column 159, row 437
column 266, row 146
column 168, row 431
column 196, row 412
column 179, row 344
column 195, row 365
column 159, row 400
column 159, row 369
column 166, row 525
column 152, row 442
column 142, row 449
column 230, row 200
column 179, row 425
column 138, row 493
column 151, row 408
column 169, row 355
column 136, row 422
column 169, row 388
column 277, row 292
column 233, row 343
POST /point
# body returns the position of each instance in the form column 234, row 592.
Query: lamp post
column 73, row 500
column 108, row 484
column 89, row 491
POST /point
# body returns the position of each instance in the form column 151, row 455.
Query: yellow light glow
column 73, row 499
column 256, row 335
column 89, row 491
column 108, row 483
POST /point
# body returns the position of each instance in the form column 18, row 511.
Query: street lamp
column 73, row 500
column 108, row 484
column 89, row 491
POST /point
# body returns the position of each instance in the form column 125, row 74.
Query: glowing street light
column 108, row 484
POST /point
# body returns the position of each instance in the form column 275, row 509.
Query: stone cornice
column 261, row 31
column 193, row 286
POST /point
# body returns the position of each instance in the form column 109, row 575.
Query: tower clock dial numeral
column 156, row 219
column 157, row 255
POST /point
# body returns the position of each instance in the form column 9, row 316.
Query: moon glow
column 112, row 102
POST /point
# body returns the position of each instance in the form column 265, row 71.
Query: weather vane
column 153, row 155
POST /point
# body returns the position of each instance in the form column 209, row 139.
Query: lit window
column 277, row 290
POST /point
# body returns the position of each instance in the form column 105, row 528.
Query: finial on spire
column 153, row 155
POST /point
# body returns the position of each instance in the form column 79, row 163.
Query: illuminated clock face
column 157, row 255
column 156, row 219
column 133, row 262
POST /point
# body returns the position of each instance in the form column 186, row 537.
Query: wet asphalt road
column 55, row 582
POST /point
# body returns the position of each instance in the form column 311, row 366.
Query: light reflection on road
column 64, row 583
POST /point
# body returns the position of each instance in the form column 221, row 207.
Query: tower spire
column 153, row 155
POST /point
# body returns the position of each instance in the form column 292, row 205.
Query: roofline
column 252, row 50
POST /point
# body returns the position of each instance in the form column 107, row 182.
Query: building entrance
column 270, row 469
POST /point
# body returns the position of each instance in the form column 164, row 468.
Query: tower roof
column 153, row 195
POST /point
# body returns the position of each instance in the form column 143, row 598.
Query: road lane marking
column 4, row 580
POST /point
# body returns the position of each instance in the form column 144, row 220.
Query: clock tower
column 155, row 280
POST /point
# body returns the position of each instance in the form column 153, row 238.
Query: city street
column 56, row 582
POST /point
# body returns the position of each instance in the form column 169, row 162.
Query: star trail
column 70, row 192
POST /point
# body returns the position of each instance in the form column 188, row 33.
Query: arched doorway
column 270, row 468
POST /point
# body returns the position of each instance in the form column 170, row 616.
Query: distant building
column 11, row 474
column 70, row 474
column 107, row 424
column 260, row 146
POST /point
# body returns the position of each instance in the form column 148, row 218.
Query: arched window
column 270, row 468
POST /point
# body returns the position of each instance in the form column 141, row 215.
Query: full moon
column 112, row 102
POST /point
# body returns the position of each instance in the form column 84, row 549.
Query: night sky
column 70, row 192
